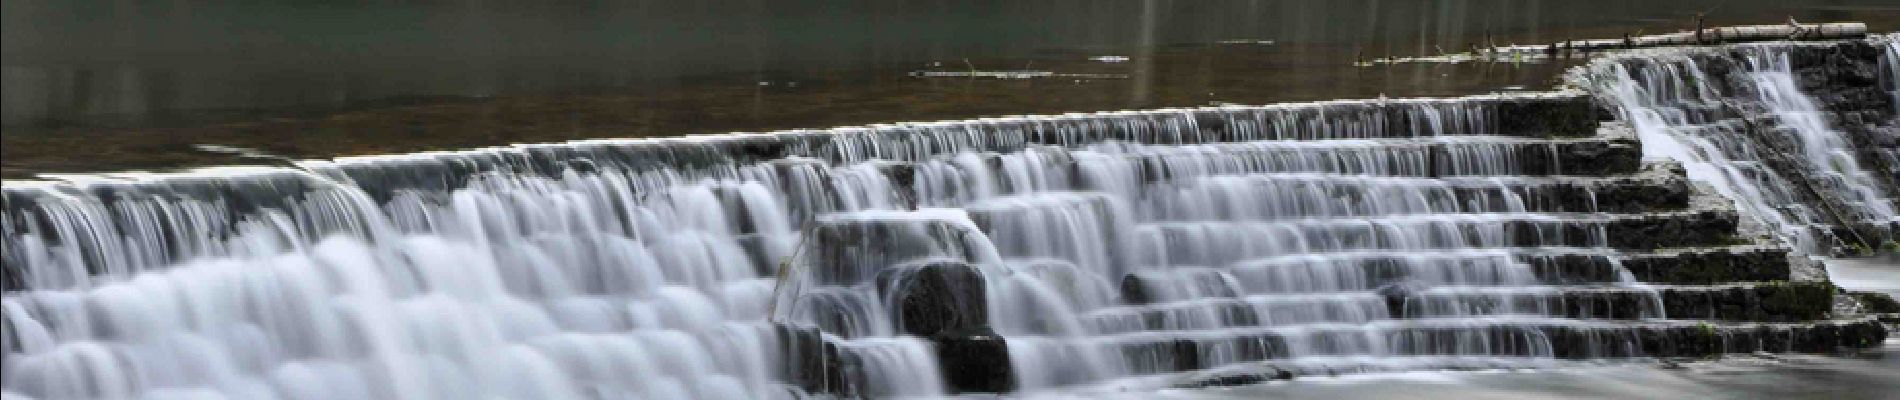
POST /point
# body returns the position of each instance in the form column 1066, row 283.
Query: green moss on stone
column 1798, row 301
column 1874, row 302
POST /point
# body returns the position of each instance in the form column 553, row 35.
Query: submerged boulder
column 946, row 302
column 1397, row 295
column 975, row 361
column 937, row 298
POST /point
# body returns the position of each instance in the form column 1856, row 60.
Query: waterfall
column 915, row 259
column 1739, row 118
column 1890, row 62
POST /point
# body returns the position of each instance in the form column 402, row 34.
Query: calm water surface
column 104, row 86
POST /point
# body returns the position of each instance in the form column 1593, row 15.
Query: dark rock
column 1573, row 269
column 1615, row 195
column 1159, row 286
column 937, row 297
column 1597, row 158
column 1561, row 340
column 1796, row 301
column 1187, row 355
column 1212, row 123
column 811, row 363
column 1397, row 295
column 1636, row 196
column 1710, row 267
column 1876, row 302
column 1773, row 302
column 1134, row 291
column 975, row 362
column 903, row 177
column 1547, row 117
column 1271, row 373
column 1672, row 230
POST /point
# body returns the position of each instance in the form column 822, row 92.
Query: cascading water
column 896, row 260
column 1890, row 62
column 1741, row 118
column 646, row 268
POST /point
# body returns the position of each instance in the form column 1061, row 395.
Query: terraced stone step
column 1851, row 334
column 382, row 178
column 1555, row 114
column 1253, row 373
column 1285, row 195
column 1213, row 243
column 1613, row 153
column 1774, row 302
column 1370, row 269
column 979, row 363
column 1564, row 266
column 1239, row 311
column 1547, row 338
column 1710, row 265
column 1529, row 115
column 1769, row 302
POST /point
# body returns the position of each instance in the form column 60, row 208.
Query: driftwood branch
column 1727, row 34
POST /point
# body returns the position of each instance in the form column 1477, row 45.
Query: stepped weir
column 1207, row 246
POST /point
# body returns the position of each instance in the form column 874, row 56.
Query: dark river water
column 138, row 83
column 142, row 61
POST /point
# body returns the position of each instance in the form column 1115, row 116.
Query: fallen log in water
column 1727, row 34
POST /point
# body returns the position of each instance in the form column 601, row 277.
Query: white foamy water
column 1736, row 132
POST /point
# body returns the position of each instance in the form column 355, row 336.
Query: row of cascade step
column 1294, row 257
column 1475, row 232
